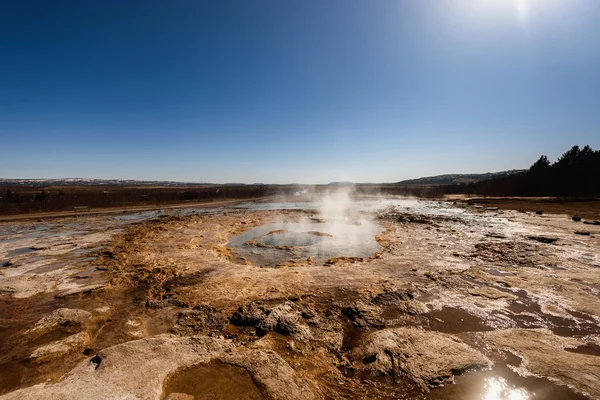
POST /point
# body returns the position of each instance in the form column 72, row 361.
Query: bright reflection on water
column 498, row 389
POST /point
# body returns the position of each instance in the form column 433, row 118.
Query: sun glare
column 522, row 8
column 519, row 8
column 498, row 389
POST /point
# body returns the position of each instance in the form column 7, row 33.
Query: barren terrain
column 454, row 302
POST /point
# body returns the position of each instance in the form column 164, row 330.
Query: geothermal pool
column 277, row 243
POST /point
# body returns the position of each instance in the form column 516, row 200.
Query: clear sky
column 294, row 90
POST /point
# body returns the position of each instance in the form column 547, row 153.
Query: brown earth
column 445, row 297
column 585, row 208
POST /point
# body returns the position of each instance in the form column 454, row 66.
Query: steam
column 340, row 226
column 336, row 205
column 340, row 216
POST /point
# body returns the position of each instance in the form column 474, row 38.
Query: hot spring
column 305, row 242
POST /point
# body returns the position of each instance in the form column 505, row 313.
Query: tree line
column 24, row 199
column 576, row 173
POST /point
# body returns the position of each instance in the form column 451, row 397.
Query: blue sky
column 294, row 91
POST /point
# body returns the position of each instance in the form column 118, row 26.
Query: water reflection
column 497, row 389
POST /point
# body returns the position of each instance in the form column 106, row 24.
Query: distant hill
column 453, row 179
column 341, row 183
column 90, row 182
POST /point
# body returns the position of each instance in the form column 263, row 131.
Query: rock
column 430, row 359
column 539, row 212
column 203, row 319
column 321, row 234
column 152, row 304
column 490, row 293
column 88, row 352
column 177, row 303
column 586, row 233
column 7, row 291
column 413, row 307
column 138, row 370
column 277, row 232
column 283, row 318
column 592, row 222
column 107, row 254
column 364, row 315
column 249, row 315
column 134, row 329
column 102, row 310
column 576, row 218
column 59, row 348
column 543, row 239
column 392, row 297
column 342, row 260
column 7, row 264
column 60, row 318
column 417, row 219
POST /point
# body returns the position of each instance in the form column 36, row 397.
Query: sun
column 522, row 8
column 499, row 9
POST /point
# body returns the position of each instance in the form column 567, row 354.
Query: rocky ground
column 460, row 302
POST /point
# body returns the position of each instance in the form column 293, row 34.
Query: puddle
column 472, row 281
column 528, row 314
column 498, row 383
column 495, row 272
column 591, row 349
column 21, row 251
column 213, row 381
column 455, row 320
column 517, row 292
column 503, row 384
column 278, row 243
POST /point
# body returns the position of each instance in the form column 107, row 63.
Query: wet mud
column 212, row 381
